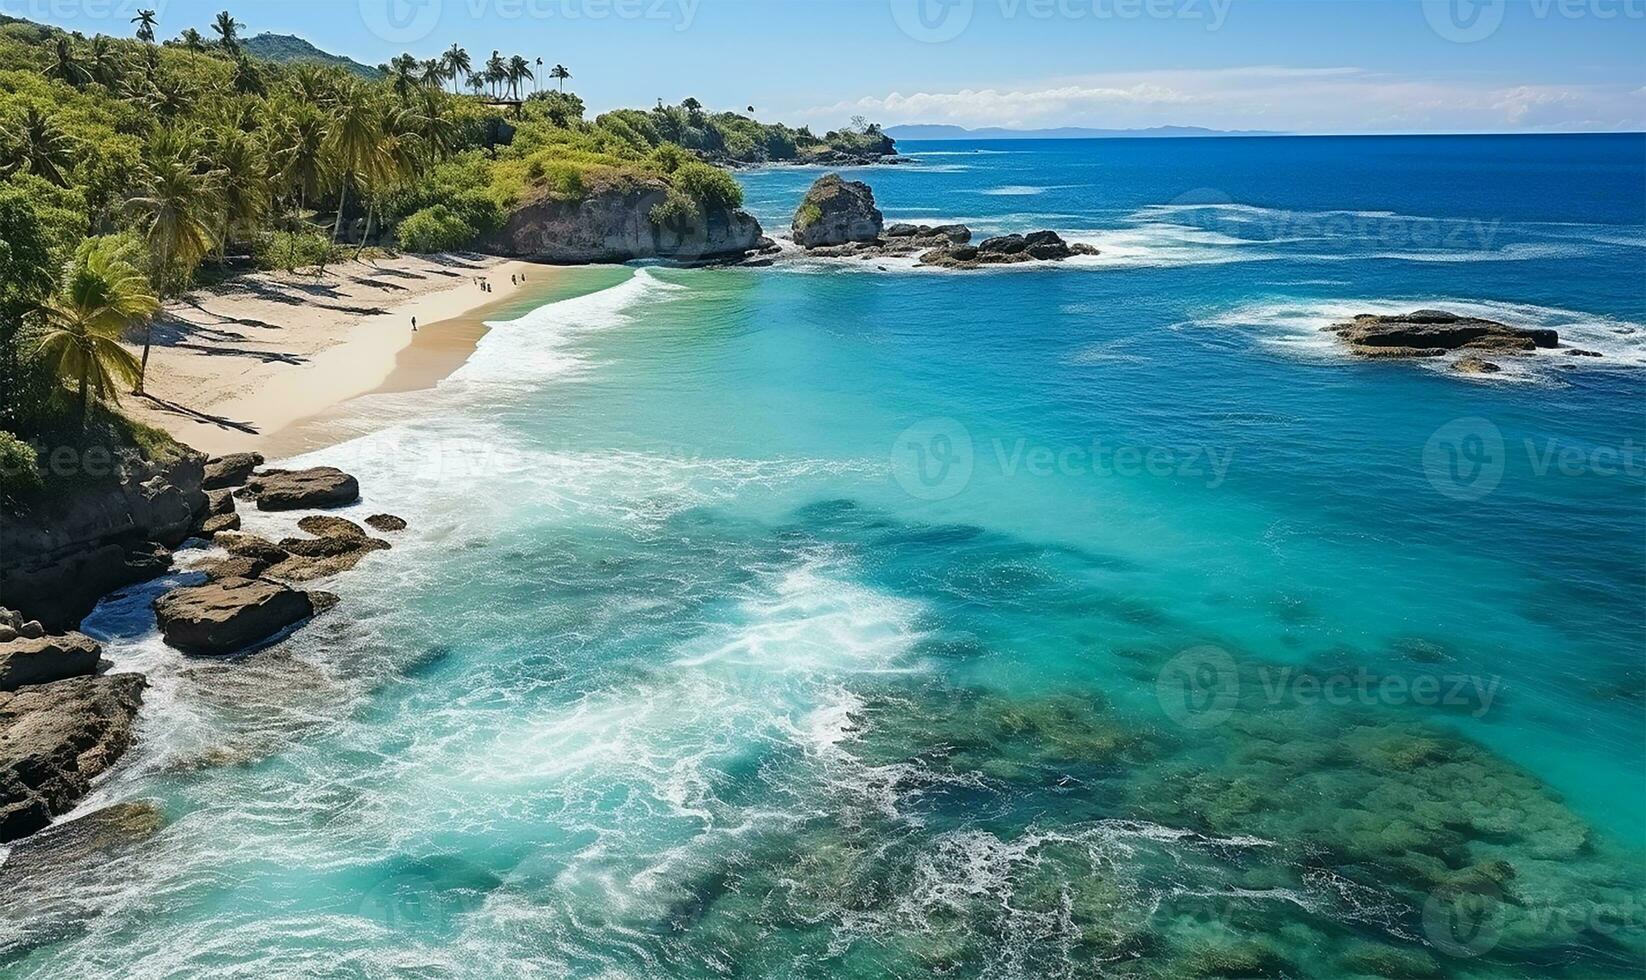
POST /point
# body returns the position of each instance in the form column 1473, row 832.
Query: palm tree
column 560, row 73
column 539, row 71
column 242, row 184
column 145, row 21
column 403, row 74
column 436, row 130
column 228, row 32
column 106, row 66
column 102, row 298
column 456, row 62
column 39, row 147
column 247, row 79
column 519, row 70
column 311, row 84
column 66, row 65
column 192, row 41
column 352, row 141
column 170, row 98
column 176, row 209
column 496, row 71
column 397, row 156
column 477, row 81
column 300, row 153
column 431, row 73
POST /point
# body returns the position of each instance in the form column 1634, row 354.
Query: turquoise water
column 838, row 620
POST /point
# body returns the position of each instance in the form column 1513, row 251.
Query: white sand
column 233, row 365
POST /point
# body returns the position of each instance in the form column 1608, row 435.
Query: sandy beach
column 235, row 365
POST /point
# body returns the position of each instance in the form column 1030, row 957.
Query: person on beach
column 414, row 324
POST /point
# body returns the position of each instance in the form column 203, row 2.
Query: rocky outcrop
column 55, row 739
column 63, row 555
column 229, row 614
column 615, row 224
column 836, row 212
column 1036, row 246
column 949, row 247
column 41, row 660
column 337, row 547
column 1471, row 364
column 1433, row 333
column 230, row 471
column 318, row 486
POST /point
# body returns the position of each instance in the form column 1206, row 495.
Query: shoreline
column 237, row 367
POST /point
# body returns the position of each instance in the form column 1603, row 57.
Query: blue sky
column 1329, row 66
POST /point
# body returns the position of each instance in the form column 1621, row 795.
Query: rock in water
column 228, row 614
column 1470, row 364
column 1431, row 333
column 45, row 659
column 835, row 212
column 55, row 739
column 230, row 471
column 1036, row 246
column 318, row 486
column 93, row 838
column 386, row 522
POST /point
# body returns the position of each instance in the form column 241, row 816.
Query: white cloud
column 1331, row 99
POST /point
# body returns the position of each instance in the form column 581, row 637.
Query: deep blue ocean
column 844, row 618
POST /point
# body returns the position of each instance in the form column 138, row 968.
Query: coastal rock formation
column 1432, row 333
column 317, row 486
column 835, row 212
column 41, row 660
column 948, row 247
column 65, row 554
column 219, row 522
column 55, row 739
column 231, row 470
column 337, row 547
column 1036, row 246
column 93, row 838
column 615, row 224
column 228, row 614
column 386, row 522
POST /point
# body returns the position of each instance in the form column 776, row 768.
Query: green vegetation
column 129, row 165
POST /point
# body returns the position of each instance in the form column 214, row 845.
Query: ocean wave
column 1014, row 190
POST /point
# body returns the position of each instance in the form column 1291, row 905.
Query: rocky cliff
column 614, row 225
column 58, row 558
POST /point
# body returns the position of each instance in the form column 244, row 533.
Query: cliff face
column 57, row 560
column 614, row 225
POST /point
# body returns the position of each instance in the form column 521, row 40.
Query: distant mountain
column 285, row 49
column 942, row 132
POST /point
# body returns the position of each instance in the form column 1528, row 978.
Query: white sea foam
column 1014, row 190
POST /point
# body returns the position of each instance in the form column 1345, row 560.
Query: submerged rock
column 386, row 522
column 55, row 739
column 228, row 614
column 41, row 660
column 1432, row 333
column 835, row 212
column 317, row 486
column 1470, row 364
column 97, row 836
